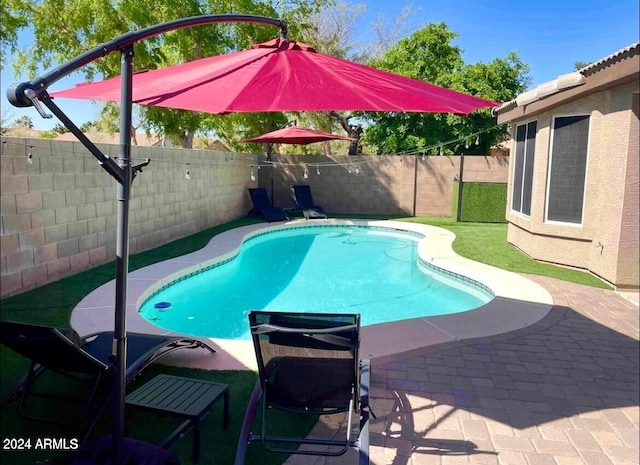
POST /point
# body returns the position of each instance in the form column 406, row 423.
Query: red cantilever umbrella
column 276, row 76
column 295, row 135
column 280, row 75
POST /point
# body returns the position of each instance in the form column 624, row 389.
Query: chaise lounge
column 262, row 206
column 304, row 202
column 86, row 360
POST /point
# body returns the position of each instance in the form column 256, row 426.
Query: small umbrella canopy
column 296, row 135
column 280, row 75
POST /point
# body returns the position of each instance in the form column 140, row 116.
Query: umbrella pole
column 272, row 168
column 26, row 94
column 122, row 257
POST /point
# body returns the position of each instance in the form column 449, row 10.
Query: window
column 567, row 169
column 523, row 168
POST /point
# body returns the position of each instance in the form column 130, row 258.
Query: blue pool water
column 376, row 273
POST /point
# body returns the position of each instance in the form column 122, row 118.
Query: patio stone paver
column 563, row 391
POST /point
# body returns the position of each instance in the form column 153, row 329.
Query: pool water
column 376, row 273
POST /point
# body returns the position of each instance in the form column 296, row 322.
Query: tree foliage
column 388, row 31
column 14, row 16
column 24, row 122
column 429, row 55
column 64, row 29
column 60, row 128
column 6, row 116
column 333, row 31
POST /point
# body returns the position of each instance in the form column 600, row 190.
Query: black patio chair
column 262, row 206
column 86, row 360
column 308, row 365
column 304, row 202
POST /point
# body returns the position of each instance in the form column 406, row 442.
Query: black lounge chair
column 262, row 206
column 304, row 202
column 86, row 360
column 308, row 364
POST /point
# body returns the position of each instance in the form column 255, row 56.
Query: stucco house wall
column 606, row 243
column 629, row 236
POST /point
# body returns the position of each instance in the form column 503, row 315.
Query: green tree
column 60, row 128
column 87, row 126
column 14, row 16
column 64, row 29
column 333, row 31
column 24, row 122
column 428, row 55
column 51, row 134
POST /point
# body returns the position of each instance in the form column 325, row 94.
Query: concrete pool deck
column 557, row 387
column 519, row 302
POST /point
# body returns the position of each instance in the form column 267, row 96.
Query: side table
column 186, row 398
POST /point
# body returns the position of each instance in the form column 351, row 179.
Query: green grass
column 217, row 446
column 487, row 243
column 52, row 305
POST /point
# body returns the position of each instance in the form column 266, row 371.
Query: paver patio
column 563, row 391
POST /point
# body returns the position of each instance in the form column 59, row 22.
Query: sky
column 549, row 35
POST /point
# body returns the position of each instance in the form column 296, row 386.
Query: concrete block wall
column 401, row 185
column 58, row 206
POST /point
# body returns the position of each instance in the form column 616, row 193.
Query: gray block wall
column 58, row 212
column 390, row 185
column 58, row 206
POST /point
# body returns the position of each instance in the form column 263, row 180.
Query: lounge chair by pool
column 86, row 360
column 262, row 205
column 304, row 202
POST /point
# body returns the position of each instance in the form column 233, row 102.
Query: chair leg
column 245, row 432
column 365, row 411
column 267, row 440
column 25, row 390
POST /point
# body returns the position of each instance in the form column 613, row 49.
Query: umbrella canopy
column 280, row 75
column 277, row 76
column 296, row 135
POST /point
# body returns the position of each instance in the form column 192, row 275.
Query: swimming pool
column 376, row 272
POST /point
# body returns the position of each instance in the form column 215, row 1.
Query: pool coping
column 518, row 301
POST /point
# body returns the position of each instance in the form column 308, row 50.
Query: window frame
column 523, row 168
column 550, row 164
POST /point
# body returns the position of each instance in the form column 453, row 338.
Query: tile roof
column 588, row 70
column 620, row 55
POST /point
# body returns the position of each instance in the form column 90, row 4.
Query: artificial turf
column 52, row 305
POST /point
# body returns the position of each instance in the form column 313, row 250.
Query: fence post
column 460, row 182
